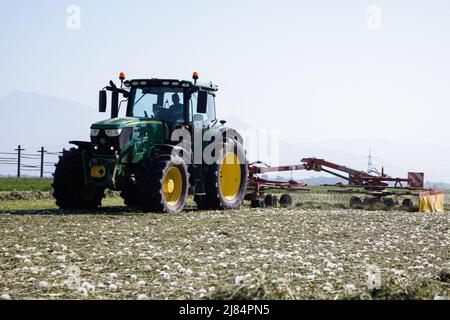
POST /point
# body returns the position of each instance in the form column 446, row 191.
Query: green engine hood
column 118, row 123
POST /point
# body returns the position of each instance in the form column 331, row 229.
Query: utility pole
column 369, row 164
column 42, row 151
column 19, row 149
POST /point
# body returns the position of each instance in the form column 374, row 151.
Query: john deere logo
column 102, row 140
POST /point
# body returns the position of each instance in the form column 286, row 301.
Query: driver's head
column 175, row 98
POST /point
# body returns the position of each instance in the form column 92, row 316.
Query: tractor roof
column 169, row 82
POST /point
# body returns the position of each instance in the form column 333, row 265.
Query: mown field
column 319, row 250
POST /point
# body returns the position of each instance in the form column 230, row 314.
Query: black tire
column 389, row 202
column 68, row 184
column 285, row 201
column 215, row 199
column 258, row 203
column 155, row 176
column 270, row 200
column 130, row 196
column 275, row 201
column 407, row 204
column 355, row 202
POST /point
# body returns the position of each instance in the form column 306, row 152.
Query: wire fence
column 40, row 163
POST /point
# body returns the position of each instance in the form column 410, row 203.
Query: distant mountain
column 437, row 185
column 34, row 120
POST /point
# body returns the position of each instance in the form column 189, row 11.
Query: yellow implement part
column 431, row 202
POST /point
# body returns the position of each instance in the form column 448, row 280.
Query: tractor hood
column 118, row 123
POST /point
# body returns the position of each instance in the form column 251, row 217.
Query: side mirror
column 114, row 104
column 202, row 101
column 102, row 101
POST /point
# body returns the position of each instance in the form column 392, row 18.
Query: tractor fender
column 82, row 145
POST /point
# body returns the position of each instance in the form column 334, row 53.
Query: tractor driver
column 177, row 108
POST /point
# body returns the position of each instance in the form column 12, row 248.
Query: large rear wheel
column 163, row 184
column 69, row 189
column 226, row 179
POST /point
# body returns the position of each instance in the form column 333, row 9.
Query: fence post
column 42, row 151
column 19, row 149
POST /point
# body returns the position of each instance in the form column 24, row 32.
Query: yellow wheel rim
column 230, row 176
column 173, row 186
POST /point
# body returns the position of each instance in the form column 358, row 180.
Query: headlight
column 113, row 132
column 94, row 132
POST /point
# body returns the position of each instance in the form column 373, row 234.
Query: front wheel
column 69, row 189
column 163, row 184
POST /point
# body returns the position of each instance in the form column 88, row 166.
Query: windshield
column 162, row 103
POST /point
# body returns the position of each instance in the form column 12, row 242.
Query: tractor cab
column 168, row 100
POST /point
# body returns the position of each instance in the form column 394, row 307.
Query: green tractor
column 162, row 143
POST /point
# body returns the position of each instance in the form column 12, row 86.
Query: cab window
column 205, row 118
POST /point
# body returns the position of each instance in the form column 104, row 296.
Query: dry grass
column 296, row 253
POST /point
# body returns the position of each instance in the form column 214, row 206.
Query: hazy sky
column 315, row 70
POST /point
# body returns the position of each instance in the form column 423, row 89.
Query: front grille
column 102, row 144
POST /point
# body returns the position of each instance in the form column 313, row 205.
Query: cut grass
column 243, row 254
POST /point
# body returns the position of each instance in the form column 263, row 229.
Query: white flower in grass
column 112, row 287
column 82, row 291
column 43, row 284
column 349, row 288
column 142, row 297
column 165, row 275
column 112, row 276
column 211, row 289
column 141, row 283
column 34, row 270
column 238, row 280
column 88, row 286
column 188, row 272
column 5, row 296
column 133, row 277
column 310, row 277
column 61, row 258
